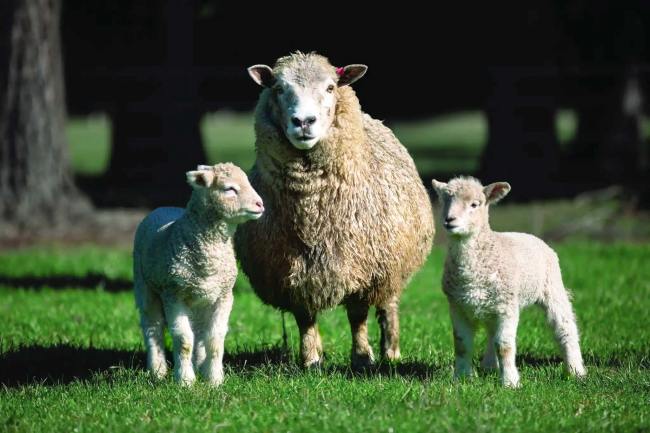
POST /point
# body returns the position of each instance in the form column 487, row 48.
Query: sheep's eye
column 475, row 204
column 230, row 190
column 330, row 88
column 278, row 90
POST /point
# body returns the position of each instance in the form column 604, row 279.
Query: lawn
column 71, row 358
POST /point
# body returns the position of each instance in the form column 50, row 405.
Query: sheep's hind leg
column 183, row 339
column 311, row 349
column 464, row 331
column 490, row 361
column 362, row 356
column 216, row 329
column 152, row 322
column 388, row 317
column 560, row 315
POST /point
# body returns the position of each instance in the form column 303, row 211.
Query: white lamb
column 489, row 277
column 185, row 268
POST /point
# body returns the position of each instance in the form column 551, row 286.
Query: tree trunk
column 609, row 142
column 36, row 185
column 522, row 147
column 155, row 141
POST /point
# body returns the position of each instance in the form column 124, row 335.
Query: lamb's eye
column 330, row 88
column 230, row 190
column 278, row 90
column 475, row 204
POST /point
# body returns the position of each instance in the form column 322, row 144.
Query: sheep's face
column 464, row 204
column 303, row 94
column 225, row 190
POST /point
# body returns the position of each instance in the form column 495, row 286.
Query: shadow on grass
column 620, row 360
column 86, row 282
column 64, row 364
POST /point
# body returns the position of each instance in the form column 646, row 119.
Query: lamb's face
column 225, row 190
column 465, row 204
column 303, row 94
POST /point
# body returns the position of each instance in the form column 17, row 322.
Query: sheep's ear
column 350, row 73
column 200, row 178
column 439, row 187
column 262, row 75
column 496, row 191
column 202, row 167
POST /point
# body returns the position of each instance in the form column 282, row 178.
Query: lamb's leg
column 152, row 322
column 464, row 331
column 388, row 317
column 562, row 320
column 489, row 361
column 362, row 356
column 201, row 319
column 216, row 329
column 199, row 351
column 178, row 317
column 505, row 343
column 311, row 349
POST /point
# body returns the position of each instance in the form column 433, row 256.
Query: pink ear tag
column 340, row 71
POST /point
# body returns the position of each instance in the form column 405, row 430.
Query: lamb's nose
column 302, row 123
column 260, row 205
column 449, row 219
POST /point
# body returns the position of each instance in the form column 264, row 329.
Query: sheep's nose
column 260, row 205
column 449, row 219
column 302, row 123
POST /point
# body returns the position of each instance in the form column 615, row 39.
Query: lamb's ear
column 350, row 73
column 200, row 178
column 262, row 75
column 202, row 167
column 438, row 187
column 496, row 191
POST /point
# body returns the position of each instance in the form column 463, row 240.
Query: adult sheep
column 348, row 220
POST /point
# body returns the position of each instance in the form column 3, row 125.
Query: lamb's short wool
column 489, row 277
column 185, row 268
column 348, row 219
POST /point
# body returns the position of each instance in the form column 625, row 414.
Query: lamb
column 185, row 268
column 489, row 277
column 348, row 217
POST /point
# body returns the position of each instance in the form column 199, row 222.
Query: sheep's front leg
column 464, row 331
column 388, row 317
column 215, row 335
column 311, row 348
column 506, row 348
column 178, row 317
column 362, row 356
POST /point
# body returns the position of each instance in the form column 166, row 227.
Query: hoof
column 392, row 355
column 361, row 362
column 159, row 373
column 513, row 383
column 313, row 364
column 579, row 371
column 186, row 378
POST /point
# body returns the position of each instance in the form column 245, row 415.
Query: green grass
column 62, row 333
column 89, row 139
column 449, row 143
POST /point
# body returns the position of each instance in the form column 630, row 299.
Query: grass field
column 72, row 360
